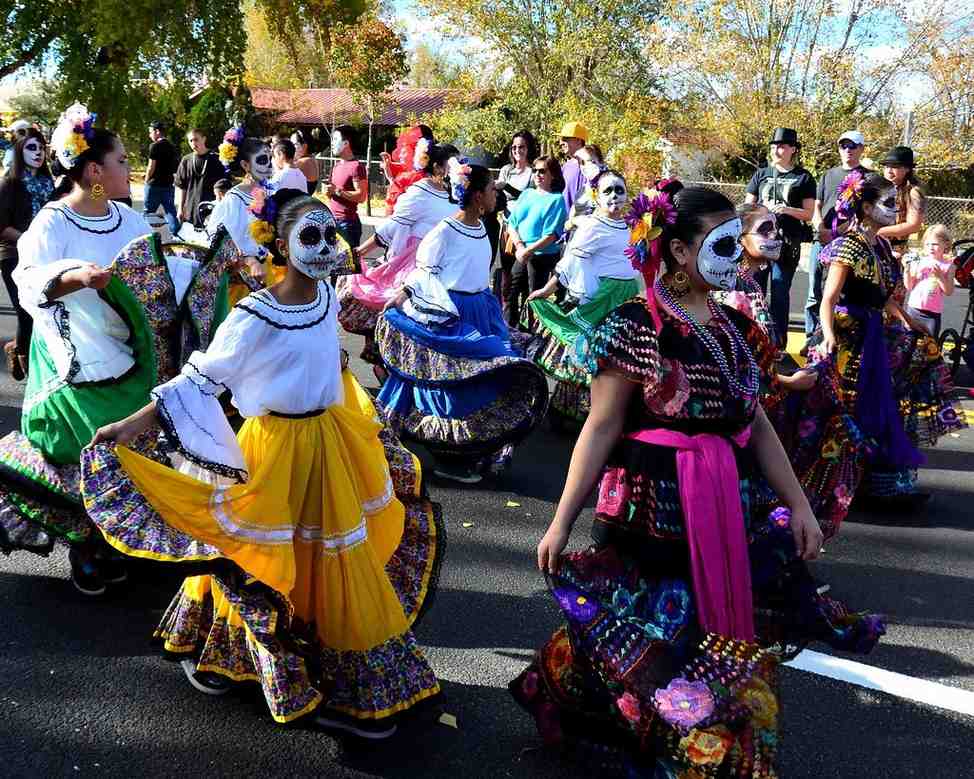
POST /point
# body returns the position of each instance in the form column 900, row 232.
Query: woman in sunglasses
column 875, row 362
column 250, row 158
column 23, row 191
column 701, row 529
column 536, row 223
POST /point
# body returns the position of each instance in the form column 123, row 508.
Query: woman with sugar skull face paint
column 423, row 205
column 25, row 188
column 250, row 158
column 456, row 382
column 664, row 609
column 113, row 309
column 762, row 244
column 596, row 277
column 343, row 550
column 880, row 372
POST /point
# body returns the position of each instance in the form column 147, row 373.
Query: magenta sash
column 711, row 499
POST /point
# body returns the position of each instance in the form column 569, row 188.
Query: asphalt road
column 83, row 694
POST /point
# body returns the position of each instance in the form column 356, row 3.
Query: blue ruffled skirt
column 460, row 387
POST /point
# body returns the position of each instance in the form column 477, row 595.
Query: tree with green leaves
column 123, row 58
column 558, row 51
column 370, row 59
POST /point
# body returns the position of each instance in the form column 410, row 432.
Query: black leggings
column 527, row 277
column 25, row 323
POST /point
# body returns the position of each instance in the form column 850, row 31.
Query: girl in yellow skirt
column 320, row 548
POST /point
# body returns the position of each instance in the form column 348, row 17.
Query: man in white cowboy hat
column 17, row 131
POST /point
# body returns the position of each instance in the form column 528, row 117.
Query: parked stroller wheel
column 951, row 348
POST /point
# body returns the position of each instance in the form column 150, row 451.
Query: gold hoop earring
column 680, row 283
column 97, row 192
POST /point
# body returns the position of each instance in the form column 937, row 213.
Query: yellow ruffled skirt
column 318, row 533
column 238, row 290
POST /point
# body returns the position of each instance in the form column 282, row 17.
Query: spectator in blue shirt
column 536, row 223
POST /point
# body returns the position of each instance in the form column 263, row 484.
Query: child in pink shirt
column 929, row 277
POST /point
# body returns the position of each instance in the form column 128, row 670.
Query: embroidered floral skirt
column 459, row 389
column 336, row 549
column 631, row 682
column 831, row 455
column 571, row 401
column 559, row 327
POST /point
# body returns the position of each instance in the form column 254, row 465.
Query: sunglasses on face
column 848, row 145
column 540, row 172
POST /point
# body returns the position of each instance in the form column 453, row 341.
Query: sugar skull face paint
column 261, row 168
column 33, row 153
column 885, row 211
column 314, row 247
column 719, row 255
column 611, row 194
column 763, row 240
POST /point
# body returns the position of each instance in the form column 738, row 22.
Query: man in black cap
column 159, row 188
column 788, row 190
column 911, row 203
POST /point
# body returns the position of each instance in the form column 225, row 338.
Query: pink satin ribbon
column 711, row 499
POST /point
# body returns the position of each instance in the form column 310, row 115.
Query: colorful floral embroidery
column 684, row 704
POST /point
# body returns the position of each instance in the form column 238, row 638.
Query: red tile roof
column 325, row 106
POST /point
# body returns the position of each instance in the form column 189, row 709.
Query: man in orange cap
column 574, row 135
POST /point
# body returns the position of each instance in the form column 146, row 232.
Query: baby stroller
column 953, row 345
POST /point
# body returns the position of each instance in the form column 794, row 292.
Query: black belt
column 316, row 412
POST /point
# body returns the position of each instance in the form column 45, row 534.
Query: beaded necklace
column 740, row 353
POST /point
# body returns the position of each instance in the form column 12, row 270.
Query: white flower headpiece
column 421, row 154
column 459, row 171
column 71, row 137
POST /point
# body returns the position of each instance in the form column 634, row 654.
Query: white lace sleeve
column 394, row 231
column 232, row 213
column 85, row 337
column 188, row 405
column 429, row 301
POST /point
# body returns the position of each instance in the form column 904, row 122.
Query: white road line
column 920, row 690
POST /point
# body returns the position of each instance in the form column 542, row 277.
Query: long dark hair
column 529, row 140
column 556, row 178
column 479, row 180
column 102, row 141
column 18, row 169
column 438, row 155
column 872, row 186
column 248, row 147
column 693, row 205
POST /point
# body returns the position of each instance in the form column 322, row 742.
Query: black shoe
column 113, row 570
column 85, row 575
column 374, row 730
column 463, row 476
column 206, row 682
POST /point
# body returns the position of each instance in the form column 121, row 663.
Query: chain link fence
column 955, row 212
